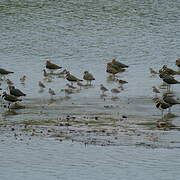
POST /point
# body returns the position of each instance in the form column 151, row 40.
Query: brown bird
column 52, row 66
column 152, row 71
column 121, row 82
column 115, row 91
column 22, row 79
column 67, row 92
column 51, row 92
column 72, row 78
column 41, row 85
column 155, row 90
column 178, row 63
column 45, row 74
column 88, row 77
column 103, row 89
column 112, row 69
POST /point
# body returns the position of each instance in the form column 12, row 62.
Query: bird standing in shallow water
column 10, row 99
column 51, row 92
column 22, row 79
column 16, row 92
column 72, row 78
column 88, row 77
column 51, row 66
column 115, row 91
column 162, row 105
column 170, row 100
column 42, row 86
column 152, row 71
column 169, row 80
column 4, row 72
column 121, row 82
column 155, row 90
column 103, row 89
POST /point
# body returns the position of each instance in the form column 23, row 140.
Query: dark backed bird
column 52, row 66
column 16, row 92
column 169, row 80
column 170, row 100
column 5, row 72
column 88, row 77
column 119, row 64
column 169, row 71
column 72, row 78
column 10, row 98
column 161, row 105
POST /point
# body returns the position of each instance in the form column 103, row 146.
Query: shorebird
column 162, row 105
column 119, row 64
column 45, row 73
column 72, row 78
column 152, row 71
column 16, row 92
column 9, row 82
column 5, row 72
column 51, row 66
column 121, row 82
column 113, row 69
column 170, row 100
column 115, row 91
column 22, row 79
column 178, row 63
column 169, row 80
column 10, row 98
column 88, row 77
column 155, row 90
column 51, row 92
column 169, row 71
column 41, row 85
column 103, row 89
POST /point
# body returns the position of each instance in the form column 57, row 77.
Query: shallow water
column 83, row 36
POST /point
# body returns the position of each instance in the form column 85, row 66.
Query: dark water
column 81, row 36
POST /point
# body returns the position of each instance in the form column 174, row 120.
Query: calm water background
column 79, row 36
